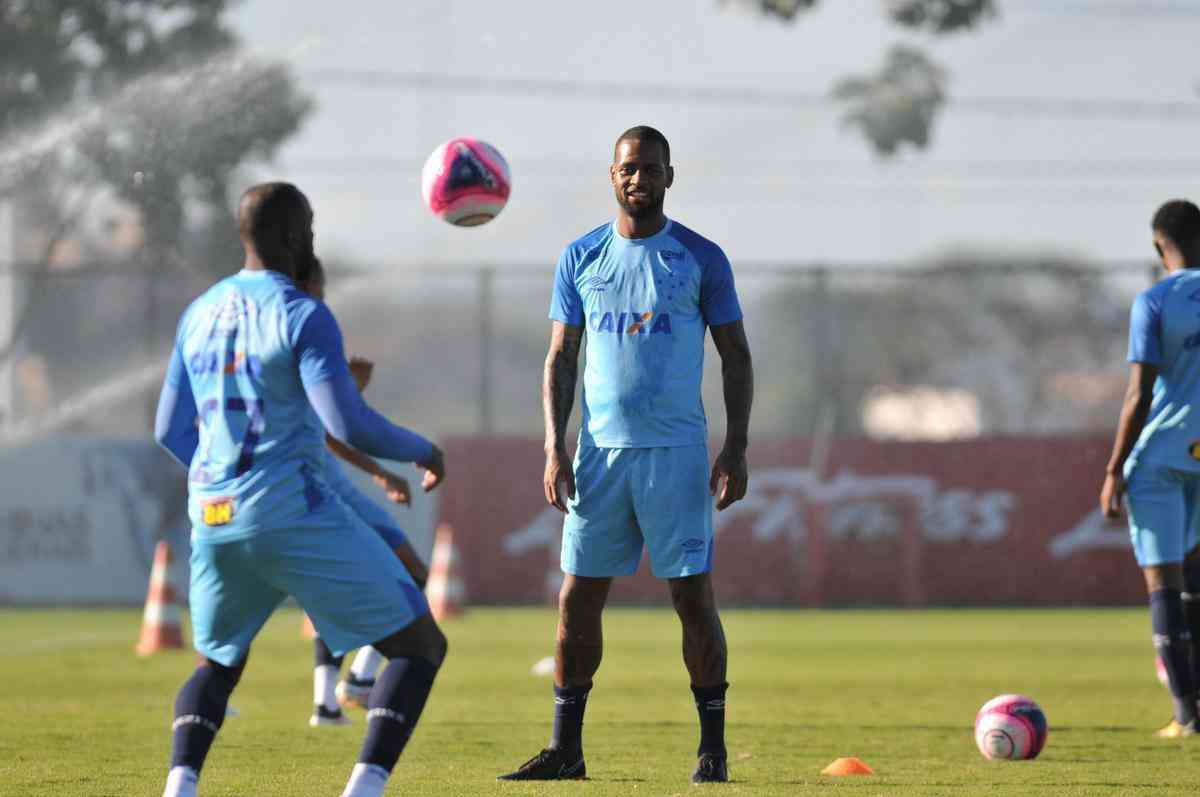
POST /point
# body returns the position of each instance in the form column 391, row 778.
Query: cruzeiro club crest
column 467, row 170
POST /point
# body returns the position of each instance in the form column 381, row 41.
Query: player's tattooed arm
column 730, row 473
column 1134, row 411
column 558, row 397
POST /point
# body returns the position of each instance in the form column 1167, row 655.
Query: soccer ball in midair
column 465, row 182
column 1010, row 727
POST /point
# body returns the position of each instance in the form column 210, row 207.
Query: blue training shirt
column 1164, row 331
column 254, row 357
column 646, row 304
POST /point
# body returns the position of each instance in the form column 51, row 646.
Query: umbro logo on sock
column 385, row 713
column 717, row 704
column 194, row 719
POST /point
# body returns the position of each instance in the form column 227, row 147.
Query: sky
column 772, row 181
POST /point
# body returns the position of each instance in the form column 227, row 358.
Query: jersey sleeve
column 317, row 342
column 175, row 419
column 1145, row 330
column 718, row 295
column 565, row 304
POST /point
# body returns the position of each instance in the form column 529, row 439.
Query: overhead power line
column 394, row 80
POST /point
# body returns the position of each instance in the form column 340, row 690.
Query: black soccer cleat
column 550, row 765
column 711, row 769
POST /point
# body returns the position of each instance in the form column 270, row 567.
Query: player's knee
column 577, row 602
column 225, row 678
column 439, row 646
column 692, row 599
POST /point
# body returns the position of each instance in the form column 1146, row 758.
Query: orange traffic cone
column 307, row 631
column 444, row 588
column 160, row 620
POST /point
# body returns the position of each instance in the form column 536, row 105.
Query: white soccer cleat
column 322, row 717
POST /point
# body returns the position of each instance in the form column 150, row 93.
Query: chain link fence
column 930, row 353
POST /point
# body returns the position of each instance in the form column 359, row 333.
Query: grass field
column 899, row 689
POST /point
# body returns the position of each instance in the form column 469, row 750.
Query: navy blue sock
column 1191, row 612
column 710, row 704
column 394, row 707
column 199, row 712
column 569, row 704
column 323, row 656
column 1173, row 642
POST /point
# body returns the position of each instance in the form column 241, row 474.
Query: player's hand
column 395, row 487
column 559, row 479
column 730, row 477
column 1111, row 494
column 361, row 369
column 435, row 470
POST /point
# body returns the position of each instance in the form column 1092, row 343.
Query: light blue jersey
column 1165, row 332
column 646, row 304
column 258, row 463
column 255, row 363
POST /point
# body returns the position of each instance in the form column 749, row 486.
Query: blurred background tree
column 898, row 103
column 148, row 102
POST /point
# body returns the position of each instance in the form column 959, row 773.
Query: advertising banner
column 1004, row 521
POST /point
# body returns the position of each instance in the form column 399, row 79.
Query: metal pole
column 486, row 328
column 8, row 310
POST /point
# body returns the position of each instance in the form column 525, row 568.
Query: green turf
column 83, row 716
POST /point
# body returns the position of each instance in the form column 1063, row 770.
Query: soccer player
column 253, row 357
column 1156, row 456
column 643, row 288
column 356, row 688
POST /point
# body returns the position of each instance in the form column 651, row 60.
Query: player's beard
column 650, row 210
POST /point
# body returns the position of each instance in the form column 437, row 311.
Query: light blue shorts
column 625, row 497
column 339, row 569
column 1163, row 513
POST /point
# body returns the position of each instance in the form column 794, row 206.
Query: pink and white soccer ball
column 1010, row 727
column 465, row 182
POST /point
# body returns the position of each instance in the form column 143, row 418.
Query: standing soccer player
column 254, row 356
column 1156, row 455
column 644, row 288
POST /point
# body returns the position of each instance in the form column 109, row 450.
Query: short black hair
column 1179, row 220
column 267, row 210
column 645, row 133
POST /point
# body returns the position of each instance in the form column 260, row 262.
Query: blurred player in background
column 645, row 289
column 1156, row 456
column 355, row 690
column 254, row 356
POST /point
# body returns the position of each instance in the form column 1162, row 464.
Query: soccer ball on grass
column 1010, row 727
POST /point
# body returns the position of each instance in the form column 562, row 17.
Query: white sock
column 366, row 780
column 181, row 782
column 324, row 681
column 366, row 663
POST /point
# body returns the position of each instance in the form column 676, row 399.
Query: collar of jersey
column 262, row 273
column 648, row 241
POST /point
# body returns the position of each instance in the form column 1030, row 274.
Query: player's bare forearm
column 1134, row 411
column 558, row 382
column 355, row 457
column 737, row 379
